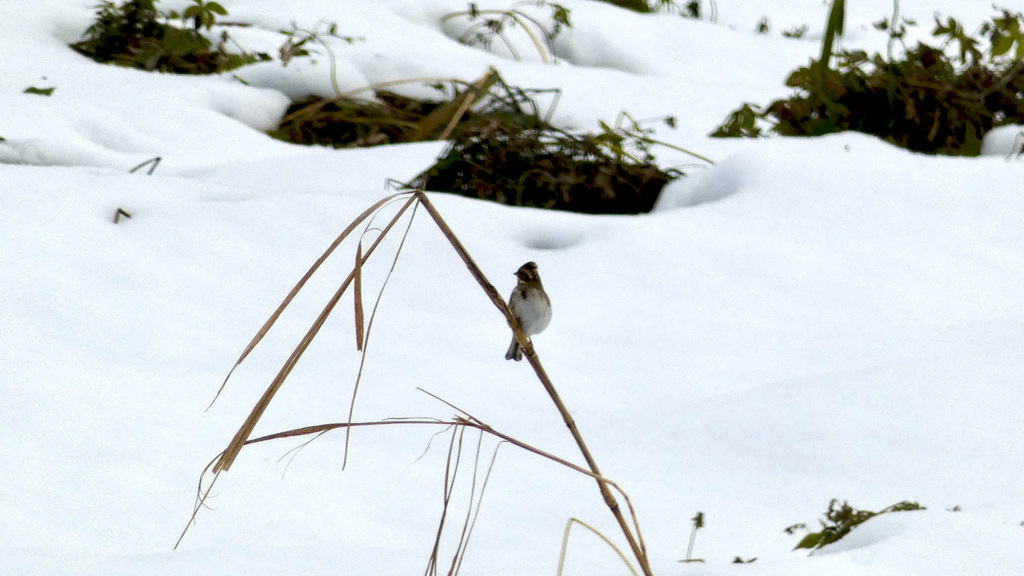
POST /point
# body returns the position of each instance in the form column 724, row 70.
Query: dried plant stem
column 451, row 471
column 470, row 420
column 565, row 545
column 318, row 105
column 363, row 348
column 223, row 461
column 257, row 412
column 466, row 420
column 302, row 282
column 635, row 541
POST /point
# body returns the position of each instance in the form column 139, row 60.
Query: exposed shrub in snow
column 927, row 100
column 138, row 35
column 840, row 519
column 503, row 148
column 547, row 168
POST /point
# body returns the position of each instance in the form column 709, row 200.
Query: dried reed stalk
column 465, row 420
column 357, row 295
column 257, row 412
column 369, row 326
column 636, row 542
column 223, row 462
column 302, row 282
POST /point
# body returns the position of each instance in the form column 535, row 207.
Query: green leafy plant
column 136, row 34
column 937, row 99
column 698, row 523
column 203, row 14
column 743, row 122
column 490, row 24
column 840, row 519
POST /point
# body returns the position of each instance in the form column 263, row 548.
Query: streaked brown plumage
column 530, row 305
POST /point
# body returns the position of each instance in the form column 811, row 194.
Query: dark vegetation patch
column 545, row 168
column 926, row 100
column 840, row 519
column 503, row 148
column 136, row 34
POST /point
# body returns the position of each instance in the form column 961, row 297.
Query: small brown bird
column 531, row 307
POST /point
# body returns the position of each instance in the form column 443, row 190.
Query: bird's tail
column 515, row 351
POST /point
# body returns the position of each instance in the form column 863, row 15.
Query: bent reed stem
column 635, row 541
column 243, row 436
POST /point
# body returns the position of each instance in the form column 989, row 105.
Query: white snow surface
column 807, row 319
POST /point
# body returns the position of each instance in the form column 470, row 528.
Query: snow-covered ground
column 808, row 319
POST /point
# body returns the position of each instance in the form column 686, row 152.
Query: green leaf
column 192, row 12
column 811, row 540
column 40, row 91
column 1002, row 45
column 950, row 28
column 800, row 78
column 215, row 7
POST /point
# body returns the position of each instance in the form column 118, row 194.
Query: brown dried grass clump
column 502, row 148
column 350, row 121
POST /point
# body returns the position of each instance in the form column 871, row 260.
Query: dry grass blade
column 468, row 419
column 460, row 547
column 454, row 110
column 465, row 420
column 257, row 412
column 635, row 540
column 241, row 438
column 450, row 474
column 489, row 288
column 474, row 508
column 565, row 545
column 317, row 430
column 369, row 326
column 320, row 104
column 302, row 282
column 357, row 293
